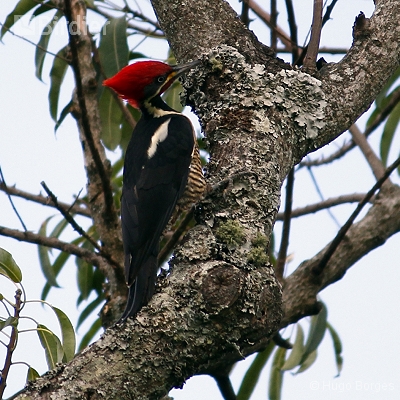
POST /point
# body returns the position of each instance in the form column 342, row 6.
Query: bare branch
column 274, row 20
column 317, row 270
column 374, row 162
column 11, row 344
column 54, row 243
column 322, row 205
column 37, row 198
column 281, row 260
column 266, row 18
column 293, row 29
column 302, row 286
column 394, row 100
column 3, row 183
column 310, row 59
column 34, row 44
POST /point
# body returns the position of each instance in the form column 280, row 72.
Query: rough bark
column 222, row 301
column 98, row 167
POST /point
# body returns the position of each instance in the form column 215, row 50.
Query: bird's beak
column 178, row 70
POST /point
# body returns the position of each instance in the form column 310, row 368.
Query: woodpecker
column 161, row 160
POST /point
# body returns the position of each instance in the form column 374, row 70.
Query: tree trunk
column 260, row 117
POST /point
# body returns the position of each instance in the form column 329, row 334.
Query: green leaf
column 98, row 281
column 44, row 258
column 90, row 334
column 127, row 129
column 296, row 354
column 67, row 334
column 383, row 94
column 308, row 362
column 337, row 346
column 133, row 55
column 88, row 310
column 32, row 375
column 46, row 6
column 59, row 228
column 172, row 96
column 85, row 277
column 388, row 133
column 8, row 267
column 276, row 376
column 252, row 375
column 316, row 332
column 113, row 49
column 41, row 48
column 90, row 3
column 22, row 8
column 48, row 340
column 66, row 110
column 57, row 74
column 10, row 321
column 111, row 117
column 58, row 265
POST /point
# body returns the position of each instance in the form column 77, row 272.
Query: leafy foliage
column 56, row 350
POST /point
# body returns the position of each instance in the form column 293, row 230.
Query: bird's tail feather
column 142, row 290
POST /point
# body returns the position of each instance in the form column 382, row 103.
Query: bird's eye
column 161, row 79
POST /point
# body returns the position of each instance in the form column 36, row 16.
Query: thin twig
column 326, row 50
column 282, row 255
column 13, row 191
column 322, row 205
column 317, row 270
column 274, row 23
column 150, row 32
column 225, row 386
column 266, row 18
column 373, row 160
column 68, row 217
column 317, row 188
column 11, row 345
column 292, row 29
column 328, row 12
column 34, row 44
column 325, row 19
column 392, row 103
column 310, row 59
column 3, row 183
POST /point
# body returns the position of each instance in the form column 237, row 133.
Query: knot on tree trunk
column 221, row 286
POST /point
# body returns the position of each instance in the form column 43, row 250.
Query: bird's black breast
column 155, row 174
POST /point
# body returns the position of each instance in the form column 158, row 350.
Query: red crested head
column 131, row 81
column 145, row 79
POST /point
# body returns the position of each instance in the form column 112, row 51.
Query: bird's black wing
column 153, row 182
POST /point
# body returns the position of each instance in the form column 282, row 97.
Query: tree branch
column 43, row 200
column 3, row 184
column 374, row 162
column 322, row 205
column 343, row 230
column 98, row 168
column 282, row 254
column 54, row 243
column 301, row 287
column 310, row 59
